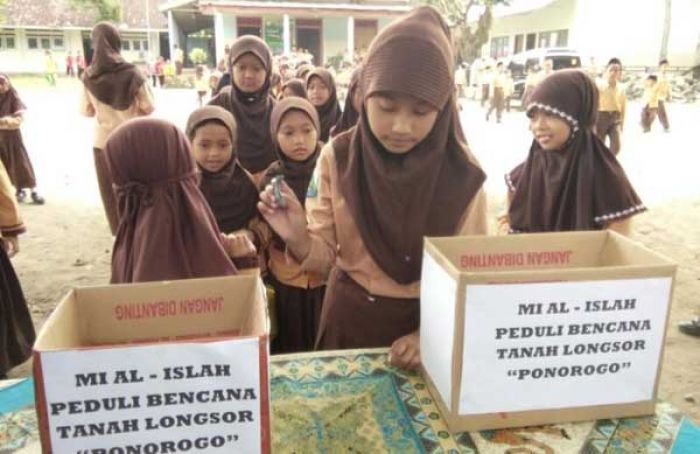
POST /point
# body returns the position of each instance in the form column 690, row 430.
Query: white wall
column 628, row 29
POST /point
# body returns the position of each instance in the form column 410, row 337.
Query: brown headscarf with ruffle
column 10, row 102
column 109, row 78
column 167, row 230
column 397, row 199
column 251, row 110
column 230, row 192
column 580, row 187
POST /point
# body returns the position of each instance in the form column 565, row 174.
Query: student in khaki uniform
column 114, row 91
column 611, row 111
column 296, row 130
column 570, row 180
column 663, row 87
column 651, row 102
column 497, row 93
column 404, row 172
column 16, row 327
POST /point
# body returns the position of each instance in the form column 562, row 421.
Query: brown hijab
column 303, row 71
column 350, row 115
column 582, row 186
column 396, row 200
column 251, row 110
column 10, row 102
column 297, row 174
column 167, row 230
column 329, row 112
column 230, row 192
column 109, row 78
column 297, row 86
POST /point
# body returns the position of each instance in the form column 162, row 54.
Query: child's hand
column 238, row 245
column 289, row 222
column 10, row 244
column 405, row 352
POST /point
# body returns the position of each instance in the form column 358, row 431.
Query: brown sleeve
column 10, row 221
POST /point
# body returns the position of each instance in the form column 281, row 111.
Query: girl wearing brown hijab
column 16, row 327
column 293, row 87
column 166, row 229
column 570, row 180
column 351, row 110
column 250, row 102
column 13, row 155
column 298, row 294
column 403, row 173
column 113, row 92
column 321, row 88
column 228, row 188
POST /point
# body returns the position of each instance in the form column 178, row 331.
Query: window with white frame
column 500, row 46
column 134, row 42
column 7, row 40
column 555, row 38
column 45, row 40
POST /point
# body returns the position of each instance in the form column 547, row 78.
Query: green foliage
column 110, row 10
column 467, row 38
column 198, row 56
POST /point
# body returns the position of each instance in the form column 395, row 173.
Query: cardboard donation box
column 542, row 328
column 179, row 366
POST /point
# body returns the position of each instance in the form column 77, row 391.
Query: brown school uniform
column 374, row 207
column 13, row 154
column 611, row 114
column 580, row 187
column 16, row 328
column 114, row 91
column 231, row 192
column 166, row 230
column 338, row 247
column 298, row 293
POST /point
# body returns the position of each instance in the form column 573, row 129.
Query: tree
column 198, row 56
column 467, row 38
column 110, row 10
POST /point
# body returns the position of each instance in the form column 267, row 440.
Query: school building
column 628, row 29
column 328, row 29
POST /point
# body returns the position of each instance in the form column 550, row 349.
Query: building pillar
column 286, row 35
column 173, row 34
column 351, row 38
column 219, row 36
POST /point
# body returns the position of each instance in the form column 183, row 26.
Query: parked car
column 518, row 64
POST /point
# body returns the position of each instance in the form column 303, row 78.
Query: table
column 327, row 402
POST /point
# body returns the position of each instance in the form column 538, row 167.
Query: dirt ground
column 68, row 243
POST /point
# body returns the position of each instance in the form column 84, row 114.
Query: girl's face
column 212, row 146
column 318, row 92
column 399, row 121
column 4, row 85
column 550, row 131
column 249, row 73
column 297, row 135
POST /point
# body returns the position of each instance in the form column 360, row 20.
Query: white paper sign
column 184, row 397
column 438, row 297
column 559, row 345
